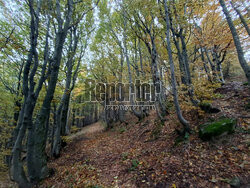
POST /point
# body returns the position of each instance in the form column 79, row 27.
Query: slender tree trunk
column 186, row 60
column 53, row 130
column 121, row 111
column 161, row 99
column 184, row 122
column 205, row 65
column 25, row 118
column 180, row 59
column 187, row 69
column 139, row 115
column 141, row 60
column 237, row 43
column 242, row 19
column 17, row 170
column 64, row 116
column 215, row 77
column 11, row 142
column 218, row 65
column 39, row 157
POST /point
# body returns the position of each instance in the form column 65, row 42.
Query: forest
column 124, row 93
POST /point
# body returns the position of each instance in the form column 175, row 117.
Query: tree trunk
column 173, row 80
column 242, row 19
column 121, row 111
column 205, row 65
column 17, row 170
column 139, row 115
column 180, row 59
column 237, row 43
column 39, row 157
column 215, row 76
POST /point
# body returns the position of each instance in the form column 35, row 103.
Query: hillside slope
column 146, row 154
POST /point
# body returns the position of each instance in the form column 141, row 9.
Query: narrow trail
column 83, row 134
column 89, row 129
column 135, row 155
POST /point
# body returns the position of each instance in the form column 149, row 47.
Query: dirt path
column 136, row 155
column 84, row 133
column 90, row 129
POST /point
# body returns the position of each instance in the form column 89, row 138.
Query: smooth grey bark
column 65, row 110
column 138, row 114
column 62, row 109
column 242, row 19
column 135, row 58
column 121, row 112
column 34, row 96
column 207, row 70
column 17, row 171
column 236, row 39
column 214, row 73
column 151, row 46
column 182, row 55
column 141, row 59
column 39, row 159
column 157, row 81
column 218, row 65
column 181, row 51
column 180, row 59
column 30, row 97
column 53, row 129
column 218, row 59
column 183, row 121
column 147, row 29
column 187, row 69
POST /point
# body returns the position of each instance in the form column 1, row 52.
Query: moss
column 219, row 96
column 207, row 131
column 122, row 130
column 134, row 165
column 205, row 105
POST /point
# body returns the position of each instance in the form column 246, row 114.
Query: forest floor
column 87, row 130
column 146, row 154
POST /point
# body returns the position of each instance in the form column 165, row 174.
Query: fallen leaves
column 104, row 159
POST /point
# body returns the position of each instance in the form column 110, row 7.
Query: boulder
column 217, row 128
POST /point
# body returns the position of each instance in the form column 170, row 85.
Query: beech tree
column 236, row 39
column 173, row 80
column 164, row 53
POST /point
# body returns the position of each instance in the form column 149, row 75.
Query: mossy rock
column 208, row 108
column 210, row 130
